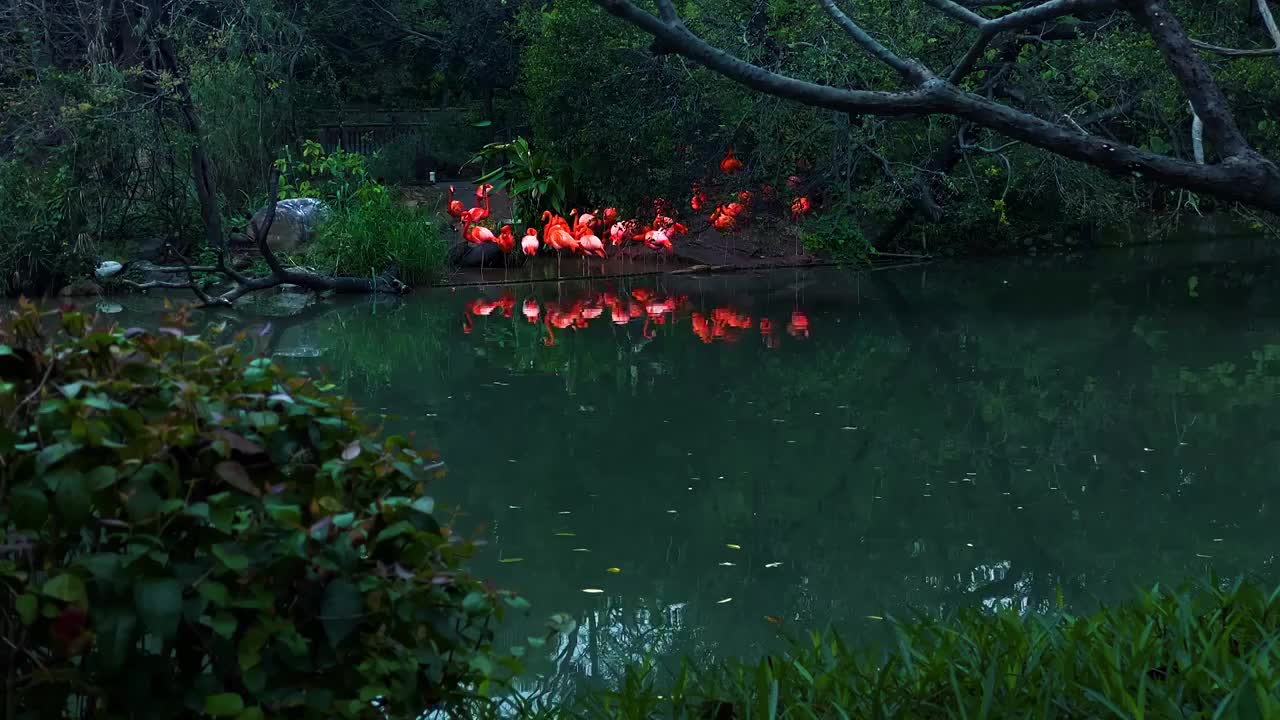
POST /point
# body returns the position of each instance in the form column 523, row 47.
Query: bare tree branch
column 910, row 70
column 1235, row 52
column 1244, row 176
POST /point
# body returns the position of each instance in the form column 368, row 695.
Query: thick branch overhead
column 1244, row 176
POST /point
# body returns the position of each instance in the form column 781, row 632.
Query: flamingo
column 506, row 240
column 610, row 216
column 699, row 198
column 531, row 311
column 723, row 221
column 455, row 208
column 529, row 243
column 588, row 242
column 799, row 325
column 557, row 236
column 479, row 212
column 799, row 208
column 730, row 165
column 766, row 332
column 478, row 234
column 745, row 197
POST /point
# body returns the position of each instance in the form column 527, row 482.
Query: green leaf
column 234, row 560
column 424, row 505
column 340, row 610
column 29, row 508
column 102, row 477
column 115, row 636
column 72, row 498
column 475, row 603
column 214, row 592
column 102, row 567
column 67, row 588
column 234, row 474
column 28, row 607
column 223, row 705
column 223, row 624
column 53, row 455
column 159, row 604
column 482, row 123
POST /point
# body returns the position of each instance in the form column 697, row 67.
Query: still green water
column 946, row 435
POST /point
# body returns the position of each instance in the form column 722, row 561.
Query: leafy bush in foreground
column 186, row 531
column 1203, row 654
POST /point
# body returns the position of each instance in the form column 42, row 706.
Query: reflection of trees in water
column 621, row 634
column 1017, row 422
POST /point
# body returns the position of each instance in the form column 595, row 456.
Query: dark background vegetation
column 95, row 143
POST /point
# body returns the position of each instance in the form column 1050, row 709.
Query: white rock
column 108, row 268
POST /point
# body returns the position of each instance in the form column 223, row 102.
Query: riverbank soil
column 765, row 243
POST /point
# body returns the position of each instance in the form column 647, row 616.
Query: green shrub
column 535, row 182
column 1207, row 653
column 188, row 531
column 42, row 243
column 378, row 235
column 368, row 232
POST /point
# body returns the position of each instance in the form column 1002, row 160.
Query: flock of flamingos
column 723, row 324
column 578, row 233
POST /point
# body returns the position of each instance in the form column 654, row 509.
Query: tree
column 1234, row 170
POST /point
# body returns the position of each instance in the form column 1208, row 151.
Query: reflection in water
column 722, row 324
column 947, row 436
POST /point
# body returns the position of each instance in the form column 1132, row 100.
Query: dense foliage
column 96, row 137
column 672, row 118
column 188, row 530
column 367, row 231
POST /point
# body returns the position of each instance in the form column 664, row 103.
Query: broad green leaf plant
column 187, row 530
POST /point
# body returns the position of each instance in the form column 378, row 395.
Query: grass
column 372, row 237
column 1208, row 652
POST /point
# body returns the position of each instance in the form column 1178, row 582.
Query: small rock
column 81, row 288
column 108, row 269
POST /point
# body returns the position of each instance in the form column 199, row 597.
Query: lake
column 641, row 454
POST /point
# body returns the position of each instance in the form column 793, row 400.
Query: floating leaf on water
column 773, row 619
column 874, row 617
column 726, row 564
column 511, row 560
column 613, row 570
column 726, row 600
column 592, row 591
column 731, row 546
column 566, row 534
column 773, row 565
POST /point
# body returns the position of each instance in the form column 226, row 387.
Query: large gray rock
column 466, row 255
column 296, row 219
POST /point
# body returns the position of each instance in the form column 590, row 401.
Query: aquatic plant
column 1199, row 653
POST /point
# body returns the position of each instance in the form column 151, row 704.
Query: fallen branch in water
column 279, row 275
